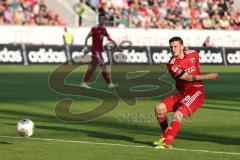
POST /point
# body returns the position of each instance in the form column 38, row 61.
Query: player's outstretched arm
column 210, row 76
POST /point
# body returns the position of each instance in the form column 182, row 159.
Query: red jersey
column 190, row 64
column 98, row 33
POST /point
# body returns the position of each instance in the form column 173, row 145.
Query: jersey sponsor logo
column 174, row 69
column 190, row 69
column 179, row 72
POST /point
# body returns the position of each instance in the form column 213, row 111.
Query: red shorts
column 97, row 59
column 187, row 102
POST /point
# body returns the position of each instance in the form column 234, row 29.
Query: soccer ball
column 25, row 127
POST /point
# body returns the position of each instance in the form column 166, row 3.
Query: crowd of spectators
column 27, row 12
column 171, row 14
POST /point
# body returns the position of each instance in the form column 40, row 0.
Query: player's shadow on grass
column 23, row 114
column 37, row 117
column 5, row 143
column 203, row 137
column 95, row 134
column 129, row 128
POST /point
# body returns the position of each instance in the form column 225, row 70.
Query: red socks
column 88, row 75
column 162, row 121
column 171, row 132
column 106, row 77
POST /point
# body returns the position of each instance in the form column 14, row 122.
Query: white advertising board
column 138, row 37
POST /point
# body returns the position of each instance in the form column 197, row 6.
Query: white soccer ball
column 25, row 127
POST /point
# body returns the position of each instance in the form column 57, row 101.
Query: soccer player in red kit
column 97, row 33
column 184, row 67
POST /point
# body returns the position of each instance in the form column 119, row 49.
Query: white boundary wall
column 139, row 37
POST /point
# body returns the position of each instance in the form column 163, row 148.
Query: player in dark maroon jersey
column 97, row 33
column 184, row 67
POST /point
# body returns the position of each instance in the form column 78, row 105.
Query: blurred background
column 39, row 26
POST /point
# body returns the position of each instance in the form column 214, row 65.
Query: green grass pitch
column 213, row 133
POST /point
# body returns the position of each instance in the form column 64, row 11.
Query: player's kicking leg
column 170, row 133
column 190, row 102
column 160, row 111
column 169, row 104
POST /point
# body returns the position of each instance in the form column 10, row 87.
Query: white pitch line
column 120, row 145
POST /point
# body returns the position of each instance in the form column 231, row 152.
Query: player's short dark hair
column 179, row 39
column 101, row 12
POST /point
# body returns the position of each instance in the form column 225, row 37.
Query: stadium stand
column 171, row 14
column 46, row 12
column 27, row 12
